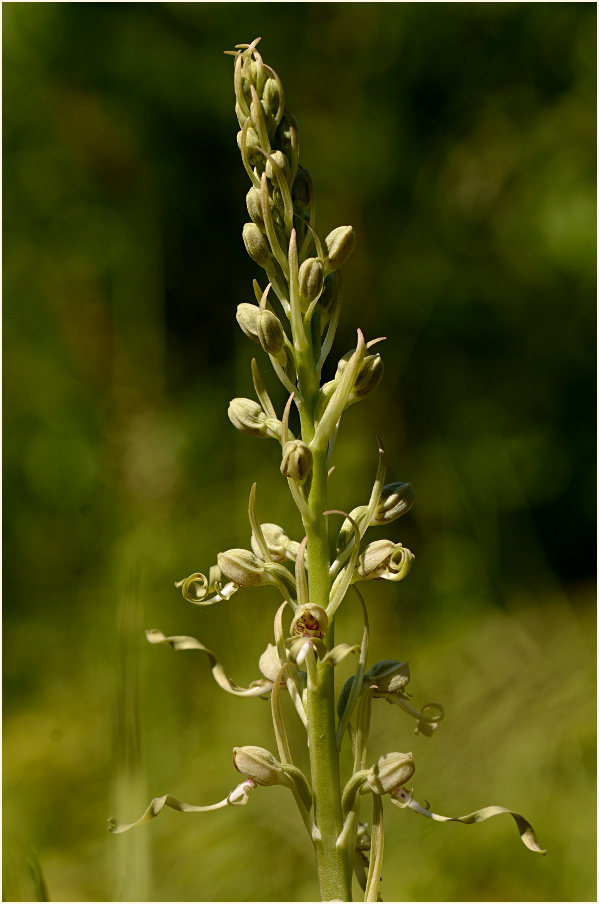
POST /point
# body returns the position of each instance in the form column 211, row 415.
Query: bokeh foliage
column 459, row 140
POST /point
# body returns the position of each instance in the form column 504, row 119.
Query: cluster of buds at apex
column 279, row 546
column 262, row 326
column 296, row 462
column 310, row 621
column 258, row 91
column 249, row 417
column 340, row 244
column 390, row 772
column 395, row 500
column 259, row 765
column 386, row 560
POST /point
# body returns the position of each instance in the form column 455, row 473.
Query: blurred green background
column 459, row 140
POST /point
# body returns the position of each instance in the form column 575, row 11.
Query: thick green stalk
column 333, row 874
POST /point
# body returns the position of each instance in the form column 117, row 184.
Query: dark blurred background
column 459, row 140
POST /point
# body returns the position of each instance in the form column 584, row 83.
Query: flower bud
column 271, row 97
column 375, row 556
column 251, row 143
column 302, row 189
column 270, row 663
column 340, row 244
column 390, row 772
column 385, row 559
column 270, row 332
column 277, row 160
column 277, row 542
column 254, row 206
column 297, row 460
column 260, row 765
column 287, row 137
column 310, row 621
column 387, row 677
column 256, row 245
column 311, row 276
column 330, row 293
column 242, row 567
column 399, row 564
column 368, row 378
column 248, row 417
column 396, row 499
column 247, row 318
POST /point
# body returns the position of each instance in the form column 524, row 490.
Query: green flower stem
column 334, row 876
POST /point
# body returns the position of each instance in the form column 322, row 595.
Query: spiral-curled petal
column 237, row 797
column 402, row 798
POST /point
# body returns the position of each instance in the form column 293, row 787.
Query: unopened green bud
column 277, row 542
column 391, row 771
column 242, row 567
column 254, row 205
column 287, row 136
column 270, row 664
column 311, row 276
column 247, row 318
column 371, row 374
column 396, row 499
column 256, row 245
column 276, row 160
column 340, row 244
column 330, row 293
column 271, row 97
column 260, row 765
column 387, row 677
column 248, row 417
column 270, row 332
column 368, row 378
column 251, row 142
column 297, row 460
column 310, row 621
column 302, row 189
